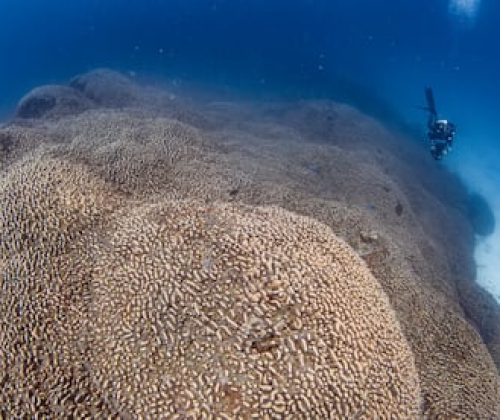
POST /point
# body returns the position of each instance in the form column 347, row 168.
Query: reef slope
column 146, row 235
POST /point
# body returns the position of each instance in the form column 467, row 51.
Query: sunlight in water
column 465, row 9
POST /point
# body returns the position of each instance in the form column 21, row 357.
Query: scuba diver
column 441, row 132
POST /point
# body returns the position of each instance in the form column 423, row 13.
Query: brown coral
column 229, row 311
column 183, row 309
column 318, row 159
column 46, row 206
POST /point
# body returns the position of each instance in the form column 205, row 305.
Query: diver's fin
column 431, row 104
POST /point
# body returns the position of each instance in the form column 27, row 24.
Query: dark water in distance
column 304, row 44
column 376, row 54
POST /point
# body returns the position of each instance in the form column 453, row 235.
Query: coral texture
column 245, row 312
column 158, row 167
column 46, row 206
column 185, row 309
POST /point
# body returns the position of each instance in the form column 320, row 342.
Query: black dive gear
column 441, row 132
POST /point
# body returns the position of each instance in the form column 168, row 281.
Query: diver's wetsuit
column 441, row 132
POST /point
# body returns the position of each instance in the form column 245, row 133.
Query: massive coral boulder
column 397, row 209
column 111, row 307
column 236, row 311
column 107, row 88
column 52, row 101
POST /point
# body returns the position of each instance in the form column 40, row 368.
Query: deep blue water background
column 306, row 46
column 376, row 54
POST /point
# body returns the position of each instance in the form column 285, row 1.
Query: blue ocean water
column 378, row 55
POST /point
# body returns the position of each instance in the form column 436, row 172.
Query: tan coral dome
column 233, row 311
column 186, row 309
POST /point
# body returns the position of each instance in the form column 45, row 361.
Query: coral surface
column 188, row 309
column 165, row 255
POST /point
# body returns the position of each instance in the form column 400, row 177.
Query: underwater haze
column 376, row 55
